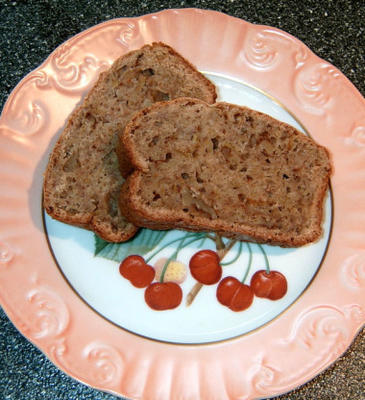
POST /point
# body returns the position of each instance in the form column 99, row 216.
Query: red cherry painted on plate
column 272, row 285
column 205, row 267
column 234, row 294
column 135, row 269
column 226, row 289
column 163, row 295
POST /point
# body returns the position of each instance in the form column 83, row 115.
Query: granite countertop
column 30, row 30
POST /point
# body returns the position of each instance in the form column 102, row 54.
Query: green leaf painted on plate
column 141, row 244
column 99, row 244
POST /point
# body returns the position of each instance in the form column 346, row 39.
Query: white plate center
column 98, row 282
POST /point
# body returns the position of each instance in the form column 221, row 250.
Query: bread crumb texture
column 225, row 168
column 83, row 180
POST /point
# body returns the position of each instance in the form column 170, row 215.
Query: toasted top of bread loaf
column 224, row 168
column 82, row 180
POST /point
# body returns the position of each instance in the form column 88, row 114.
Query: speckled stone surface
column 30, row 30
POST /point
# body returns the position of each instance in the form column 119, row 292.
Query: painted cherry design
column 175, row 271
column 271, row 285
column 135, row 269
column 205, row 267
column 234, row 294
column 163, row 295
column 268, row 284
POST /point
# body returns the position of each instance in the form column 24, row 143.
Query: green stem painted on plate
column 249, row 262
column 174, row 255
column 168, row 244
column 235, row 258
column 265, row 257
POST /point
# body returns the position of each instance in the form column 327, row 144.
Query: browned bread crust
column 180, row 79
column 83, row 180
column 224, row 168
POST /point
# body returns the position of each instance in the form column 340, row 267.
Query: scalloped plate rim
column 17, row 322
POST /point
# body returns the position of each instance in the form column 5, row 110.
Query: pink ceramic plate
column 79, row 331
